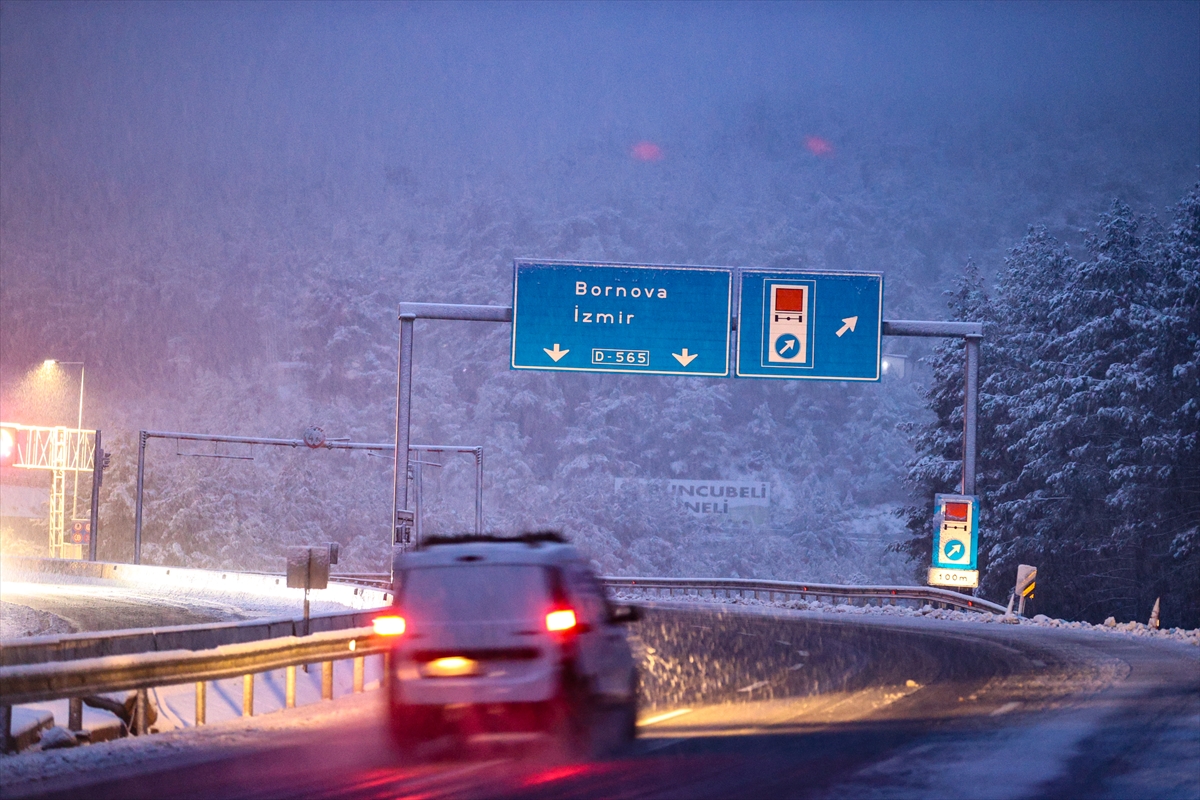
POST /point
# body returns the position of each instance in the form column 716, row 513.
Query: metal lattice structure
column 59, row 450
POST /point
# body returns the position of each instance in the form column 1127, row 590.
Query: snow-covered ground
column 929, row 612
column 44, row 604
column 35, row 608
column 34, row 772
column 18, row 620
column 43, row 597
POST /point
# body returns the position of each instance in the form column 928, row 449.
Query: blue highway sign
column 621, row 318
column 956, row 540
column 815, row 325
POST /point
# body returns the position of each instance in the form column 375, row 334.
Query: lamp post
column 51, row 363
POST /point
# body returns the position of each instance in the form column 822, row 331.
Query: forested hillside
column 1090, row 418
column 220, row 212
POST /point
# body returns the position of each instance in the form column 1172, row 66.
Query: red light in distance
column 818, row 146
column 646, row 151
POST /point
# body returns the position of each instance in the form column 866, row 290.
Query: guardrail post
column 75, row 714
column 248, row 695
column 140, row 713
column 289, row 700
column 326, row 680
column 201, row 703
column 358, row 674
column 5, row 729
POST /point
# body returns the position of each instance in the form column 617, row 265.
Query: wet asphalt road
column 784, row 706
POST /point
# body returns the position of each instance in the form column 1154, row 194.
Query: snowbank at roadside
column 929, row 612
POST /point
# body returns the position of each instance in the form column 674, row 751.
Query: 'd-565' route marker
column 815, row 325
column 621, row 318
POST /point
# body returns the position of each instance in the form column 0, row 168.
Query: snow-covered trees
column 1088, row 420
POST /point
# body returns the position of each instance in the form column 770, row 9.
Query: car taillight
column 561, row 620
column 389, row 625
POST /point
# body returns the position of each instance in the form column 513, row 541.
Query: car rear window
column 475, row 593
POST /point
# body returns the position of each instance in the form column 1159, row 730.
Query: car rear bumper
column 500, row 682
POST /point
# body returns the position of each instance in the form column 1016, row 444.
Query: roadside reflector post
column 201, row 703
column 1153, row 623
column 248, row 695
column 1026, row 584
column 290, row 690
column 358, row 674
column 326, row 680
column 75, row 714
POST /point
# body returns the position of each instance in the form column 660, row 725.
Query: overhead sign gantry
column 791, row 324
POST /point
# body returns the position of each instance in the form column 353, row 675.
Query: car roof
column 532, row 549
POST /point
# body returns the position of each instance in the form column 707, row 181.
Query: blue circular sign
column 787, row 346
column 954, row 549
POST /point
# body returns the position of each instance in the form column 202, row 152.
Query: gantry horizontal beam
column 892, row 327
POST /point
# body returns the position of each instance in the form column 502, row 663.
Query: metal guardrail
column 98, row 644
column 75, row 646
column 31, row 683
column 770, row 590
column 721, row 588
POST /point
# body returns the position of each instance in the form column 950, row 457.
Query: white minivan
column 507, row 638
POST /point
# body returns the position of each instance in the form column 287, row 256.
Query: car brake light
column 561, row 620
column 389, row 625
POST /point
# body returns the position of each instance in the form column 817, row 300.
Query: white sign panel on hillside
column 736, row 500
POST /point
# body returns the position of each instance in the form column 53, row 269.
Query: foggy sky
column 260, row 94
column 159, row 123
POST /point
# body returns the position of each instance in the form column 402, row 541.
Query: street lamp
column 49, row 364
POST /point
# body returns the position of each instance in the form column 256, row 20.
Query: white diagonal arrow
column 555, row 354
column 850, row 322
column 684, row 358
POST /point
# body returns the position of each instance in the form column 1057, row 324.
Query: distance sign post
column 956, row 541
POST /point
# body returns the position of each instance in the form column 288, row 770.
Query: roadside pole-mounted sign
column 814, row 325
column 955, row 541
column 308, row 568
column 621, row 318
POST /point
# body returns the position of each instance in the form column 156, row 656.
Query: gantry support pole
column 401, row 515
column 970, row 415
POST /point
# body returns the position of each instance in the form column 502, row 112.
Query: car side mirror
column 625, row 614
